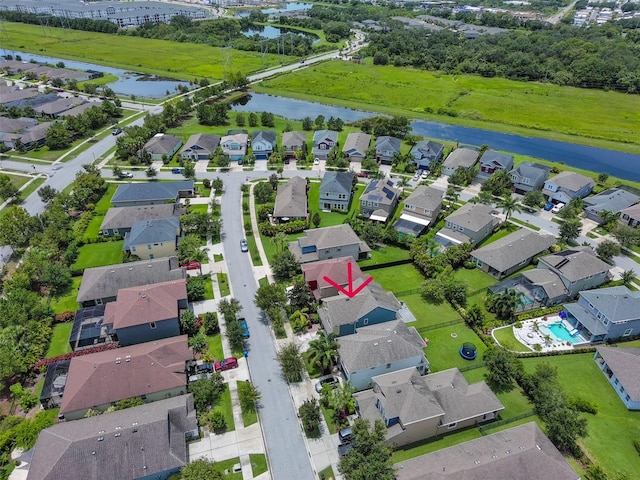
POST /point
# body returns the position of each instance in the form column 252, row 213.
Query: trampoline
column 468, row 351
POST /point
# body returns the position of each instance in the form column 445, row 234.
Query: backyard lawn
column 388, row 253
column 104, row 203
column 399, row 278
column 515, row 402
column 98, row 255
column 428, row 313
column 444, row 345
column 60, row 340
column 507, row 339
column 67, row 301
column 93, row 230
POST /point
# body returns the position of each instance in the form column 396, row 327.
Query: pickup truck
column 245, row 327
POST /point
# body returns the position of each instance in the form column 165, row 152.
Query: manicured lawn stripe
column 226, row 407
column 223, row 283
column 60, row 340
column 249, row 417
column 98, row 255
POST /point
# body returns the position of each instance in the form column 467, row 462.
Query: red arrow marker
column 350, row 292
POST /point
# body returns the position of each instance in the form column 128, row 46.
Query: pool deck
column 530, row 335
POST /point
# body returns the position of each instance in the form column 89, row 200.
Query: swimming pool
column 560, row 332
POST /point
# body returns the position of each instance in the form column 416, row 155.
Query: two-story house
column 386, row 148
column 461, row 157
column 329, row 242
column 263, row 143
column 378, row 349
column 291, row 200
column 235, row 146
column 294, row 142
column 148, row 312
column 492, row 161
column 471, row 223
column 372, row 305
column 379, row 200
column 335, row 191
column 200, row 146
column 420, row 211
column 416, row 407
column 161, row 146
column 566, row 186
column 605, row 313
column 356, row 146
column 612, row 200
column 621, row 366
column 152, row 193
column 630, row 216
column 153, row 238
column 529, row 176
column 118, row 220
column 323, row 142
column 336, row 269
column 426, row 153
column 511, row 253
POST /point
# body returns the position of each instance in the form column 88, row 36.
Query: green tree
column 210, row 323
column 307, row 124
column 229, row 308
column 249, row 396
column 201, row 469
column 235, row 335
column 607, row 249
column 284, row 265
column 187, row 247
column 300, row 296
column 370, row 456
column 58, row 136
column 503, row 369
column 188, row 323
column 323, row 351
column 151, row 172
column 263, row 193
column 475, row 316
column 372, row 234
column 189, row 170
column 628, row 277
column 199, row 342
column 570, row 229
column 15, row 227
column 270, row 296
column 291, row 362
column 253, row 119
column 533, row 199
column 7, row 188
column 564, row 427
column 505, row 304
column 627, row 236
column 195, row 288
column 316, row 219
column 509, row 205
column 206, row 392
column 310, row 415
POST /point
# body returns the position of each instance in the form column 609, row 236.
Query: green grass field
column 226, row 407
column 98, row 255
column 445, row 343
column 60, row 340
column 104, row 203
column 93, row 230
column 507, row 339
column 399, row 278
column 388, row 253
column 215, row 346
column 223, row 283
column 67, row 301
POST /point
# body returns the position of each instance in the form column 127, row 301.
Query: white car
column 557, row 207
column 316, row 161
column 424, row 175
column 416, row 177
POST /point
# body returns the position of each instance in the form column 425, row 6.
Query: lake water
column 288, row 7
column 128, row 83
column 619, row 164
column 274, row 32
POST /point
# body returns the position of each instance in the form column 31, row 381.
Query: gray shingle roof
column 633, row 212
column 150, row 191
column 576, row 264
column 519, row 453
column 549, row 281
column 124, row 217
column 330, row 237
column 268, row 136
column 207, row 141
column 613, row 200
column 291, row 139
column 425, row 197
column 379, row 344
column 427, row 149
column 617, row 303
column 388, row 143
column 490, row 156
column 473, row 216
column 103, row 282
column 291, row 200
column 465, row 157
column 127, row 444
column 357, row 142
column 625, row 364
column 337, row 182
column 536, row 172
column 509, row 251
column 381, row 191
column 586, row 318
column 321, row 135
column 153, row 231
column 59, row 105
column 161, row 144
column 571, row 181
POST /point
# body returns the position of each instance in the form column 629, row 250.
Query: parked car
column 125, row 175
column 316, row 161
column 176, row 170
column 245, row 328
column 548, row 206
column 330, row 380
column 204, row 368
column 362, row 175
column 424, row 175
column 116, row 131
column 345, row 435
column 557, row 207
column 244, row 246
column 226, row 364
column 191, row 265
column 416, row 176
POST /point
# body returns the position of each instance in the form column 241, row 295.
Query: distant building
column 492, row 161
column 471, row 223
column 161, row 146
column 200, row 146
column 426, row 153
column 356, row 146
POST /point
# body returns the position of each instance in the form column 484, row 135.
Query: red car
column 226, row 364
column 191, row 265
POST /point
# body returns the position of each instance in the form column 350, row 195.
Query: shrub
column 217, row 421
column 636, row 445
column 585, row 406
column 64, row 317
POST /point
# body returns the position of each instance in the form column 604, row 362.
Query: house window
column 133, row 248
column 365, row 321
column 452, row 425
column 115, row 231
column 627, row 332
column 627, row 398
column 98, row 301
column 621, row 389
column 149, row 246
column 152, row 325
column 615, row 382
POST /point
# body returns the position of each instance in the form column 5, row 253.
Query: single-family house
column 379, row 200
column 153, row 238
column 118, row 220
column 605, row 313
column 415, row 407
column 78, row 110
column 511, row 253
column 152, row 193
column 56, row 107
column 294, row 142
column 356, row 146
column 566, row 186
column 144, row 442
column 471, row 223
column 291, row 200
column 386, row 148
column 426, row 153
column 630, row 216
column 420, row 211
column 336, row 190
column 529, row 176
column 372, row 305
column 151, row 371
column 621, row 366
column 323, row 142
column 337, row 270
column 518, row 453
column 161, row 146
column 148, row 312
column 100, row 285
column 235, row 146
column 200, row 146
column 263, row 143
column 378, row 349
column 14, row 125
column 612, row 200
column 461, row 157
column 329, row 242
column 32, row 137
column 492, row 161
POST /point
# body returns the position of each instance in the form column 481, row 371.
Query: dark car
column 226, row 364
column 204, row 368
column 116, row 131
column 176, row 170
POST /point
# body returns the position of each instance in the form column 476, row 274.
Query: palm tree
column 201, row 256
column 280, row 240
column 323, row 351
column 508, row 302
column 509, row 205
column 628, row 276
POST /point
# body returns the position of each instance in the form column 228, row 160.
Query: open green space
column 18, row 180
column 515, row 402
column 200, row 208
column 169, row 59
column 60, row 340
column 386, row 254
column 226, row 407
column 98, row 255
column 104, row 203
column 67, row 301
column 226, row 468
column 444, row 345
column 208, row 288
column 215, row 346
column 93, row 229
column 507, row 339
column 32, row 186
column 258, row 463
column 563, row 113
column 428, row 313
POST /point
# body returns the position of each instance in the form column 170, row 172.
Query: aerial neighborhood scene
column 345, row 240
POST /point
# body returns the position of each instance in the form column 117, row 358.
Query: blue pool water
column 559, row 331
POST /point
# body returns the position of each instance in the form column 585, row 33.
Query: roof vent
column 130, row 268
column 112, row 271
column 127, row 358
column 494, row 456
column 398, row 391
column 521, row 447
column 93, row 453
column 538, row 447
column 118, row 360
column 375, row 343
column 101, row 431
column 100, row 439
column 117, row 434
column 118, row 427
column 149, row 266
column 389, row 341
column 507, row 451
column 477, row 462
